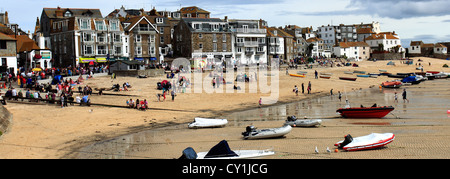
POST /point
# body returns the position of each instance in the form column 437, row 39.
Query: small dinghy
column 295, row 75
column 207, row 123
column 294, row 122
column 252, row 133
column 391, row 84
column 371, row 141
column 223, row 151
column 347, row 78
column 363, row 76
column 325, row 76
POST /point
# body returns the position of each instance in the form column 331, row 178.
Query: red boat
column 365, row 112
column 347, row 78
column 391, row 84
column 433, row 72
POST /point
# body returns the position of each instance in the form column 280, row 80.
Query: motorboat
column 223, row 151
column 207, row 123
column 365, row 112
column 391, row 84
column 252, row 133
column 371, row 141
column 294, row 122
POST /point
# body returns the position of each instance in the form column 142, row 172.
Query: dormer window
column 159, row 20
column 68, row 14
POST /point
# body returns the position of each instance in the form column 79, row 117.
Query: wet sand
column 47, row 131
column 421, row 128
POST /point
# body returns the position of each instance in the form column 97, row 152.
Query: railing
column 246, row 30
column 251, row 43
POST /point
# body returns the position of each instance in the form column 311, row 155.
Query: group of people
column 139, row 105
column 309, row 88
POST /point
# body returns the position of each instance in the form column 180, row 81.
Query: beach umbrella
column 36, row 69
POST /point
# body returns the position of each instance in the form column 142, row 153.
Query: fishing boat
column 348, row 72
column 294, row 122
column 385, row 73
column 362, row 72
column 391, row 84
column 347, row 78
column 433, row 72
column 325, row 76
column 295, row 75
column 363, row 76
column 223, row 151
column 207, row 123
column 252, row 133
column 365, row 112
column 371, row 141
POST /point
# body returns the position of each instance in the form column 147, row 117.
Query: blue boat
column 410, row 79
column 364, row 76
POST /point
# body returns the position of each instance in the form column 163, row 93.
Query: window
column 100, row 25
column 161, row 30
column 117, row 50
column 138, row 50
column 114, row 25
column 197, row 26
column 138, row 38
column 224, row 47
column 3, row 44
column 88, row 50
column 200, row 45
column 159, row 20
column 87, row 37
column 4, row 62
column 152, row 50
column 239, row 49
column 101, row 37
column 67, row 14
column 200, row 35
column 101, row 50
column 261, row 49
column 161, row 40
column 224, row 37
column 117, row 38
column 240, row 40
column 85, row 23
column 143, row 27
column 152, row 38
column 214, row 38
column 214, row 47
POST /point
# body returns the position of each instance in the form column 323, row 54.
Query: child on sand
column 260, row 102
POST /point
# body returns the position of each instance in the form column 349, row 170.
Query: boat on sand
column 207, row 123
column 294, row 122
column 371, row 141
column 365, row 112
column 295, row 75
column 223, row 151
column 347, row 78
column 391, row 84
column 252, row 133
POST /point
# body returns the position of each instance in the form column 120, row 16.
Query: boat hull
column 268, row 133
column 371, row 141
column 365, row 112
column 207, row 123
column 347, row 78
column 392, row 84
column 304, row 123
column 242, row 154
column 295, row 75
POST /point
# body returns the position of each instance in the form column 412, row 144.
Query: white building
column 328, row 35
column 389, row 41
column 440, row 49
column 414, row 47
column 318, row 48
column 275, row 43
column 8, row 57
column 249, row 40
column 357, row 51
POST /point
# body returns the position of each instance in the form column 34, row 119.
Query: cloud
column 400, row 9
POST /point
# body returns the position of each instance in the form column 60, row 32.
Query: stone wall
column 387, row 56
column 135, row 73
column 5, row 120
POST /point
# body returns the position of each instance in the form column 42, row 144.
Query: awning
column 87, row 60
column 152, row 58
column 101, row 60
column 140, row 59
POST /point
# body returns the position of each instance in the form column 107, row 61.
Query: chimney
column 59, row 12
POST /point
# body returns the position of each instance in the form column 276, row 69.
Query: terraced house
column 249, row 39
column 81, row 36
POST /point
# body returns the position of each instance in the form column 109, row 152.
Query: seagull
column 328, row 150
column 317, row 151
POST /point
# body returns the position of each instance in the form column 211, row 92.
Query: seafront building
column 249, row 41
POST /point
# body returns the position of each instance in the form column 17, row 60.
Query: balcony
column 251, row 44
column 250, row 31
column 249, row 52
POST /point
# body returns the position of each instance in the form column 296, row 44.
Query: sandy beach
column 48, row 131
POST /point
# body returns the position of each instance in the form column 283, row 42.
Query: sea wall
column 135, row 73
column 5, row 120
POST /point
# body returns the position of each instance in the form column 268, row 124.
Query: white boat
column 371, row 141
column 223, row 151
column 253, row 133
column 207, row 123
column 294, row 122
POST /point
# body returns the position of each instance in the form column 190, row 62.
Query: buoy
column 336, row 150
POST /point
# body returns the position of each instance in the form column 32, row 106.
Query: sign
column 46, row 55
column 87, row 60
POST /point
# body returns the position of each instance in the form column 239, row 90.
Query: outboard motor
column 189, row 153
column 248, row 130
column 348, row 139
column 291, row 118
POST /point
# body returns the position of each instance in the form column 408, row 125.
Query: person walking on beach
column 331, row 92
column 260, row 102
column 315, row 73
column 404, row 96
column 173, row 94
column 340, row 95
column 296, row 90
column 303, row 88
column 309, row 87
column 395, row 97
column 214, row 82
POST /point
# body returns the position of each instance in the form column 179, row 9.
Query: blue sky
column 427, row 20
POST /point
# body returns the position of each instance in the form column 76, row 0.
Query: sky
column 426, row 20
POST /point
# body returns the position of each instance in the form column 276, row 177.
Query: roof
column 79, row 12
column 193, row 9
column 6, row 37
column 136, row 20
column 440, row 45
column 364, row 31
column 24, row 43
column 313, row 39
column 428, row 45
column 280, row 33
column 381, row 36
column 416, row 43
column 189, row 21
column 352, row 44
